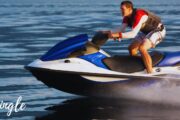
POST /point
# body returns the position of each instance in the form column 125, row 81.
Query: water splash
column 164, row 91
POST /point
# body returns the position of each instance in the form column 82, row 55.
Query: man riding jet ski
column 118, row 63
column 147, row 30
column 78, row 65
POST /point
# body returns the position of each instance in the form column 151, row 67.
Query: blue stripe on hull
column 171, row 58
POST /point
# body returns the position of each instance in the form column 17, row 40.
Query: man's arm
column 136, row 28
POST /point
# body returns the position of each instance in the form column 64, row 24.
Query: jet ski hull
column 77, row 84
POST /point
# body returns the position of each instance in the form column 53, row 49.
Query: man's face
column 125, row 11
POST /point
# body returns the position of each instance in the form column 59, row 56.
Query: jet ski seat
column 130, row 64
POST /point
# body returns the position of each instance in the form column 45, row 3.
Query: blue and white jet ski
column 78, row 65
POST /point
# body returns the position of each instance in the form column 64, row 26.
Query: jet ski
column 78, row 65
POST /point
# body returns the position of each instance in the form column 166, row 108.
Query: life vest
column 151, row 23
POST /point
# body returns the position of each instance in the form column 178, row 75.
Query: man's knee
column 142, row 49
column 133, row 51
column 133, row 47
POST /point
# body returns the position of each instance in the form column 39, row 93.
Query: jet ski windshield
column 64, row 48
column 75, row 44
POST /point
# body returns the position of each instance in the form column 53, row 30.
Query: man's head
column 126, row 8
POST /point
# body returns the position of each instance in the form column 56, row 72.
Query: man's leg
column 150, row 41
column 144, row 47
column 134, row 47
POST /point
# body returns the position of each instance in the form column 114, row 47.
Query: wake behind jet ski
column 78, row 65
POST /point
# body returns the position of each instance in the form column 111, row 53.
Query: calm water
column 28, row 28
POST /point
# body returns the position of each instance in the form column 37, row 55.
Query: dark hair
column 127, row 3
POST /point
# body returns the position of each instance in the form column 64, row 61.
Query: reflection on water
column 112, row 109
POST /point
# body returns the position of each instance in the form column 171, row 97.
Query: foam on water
column 164, row 91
